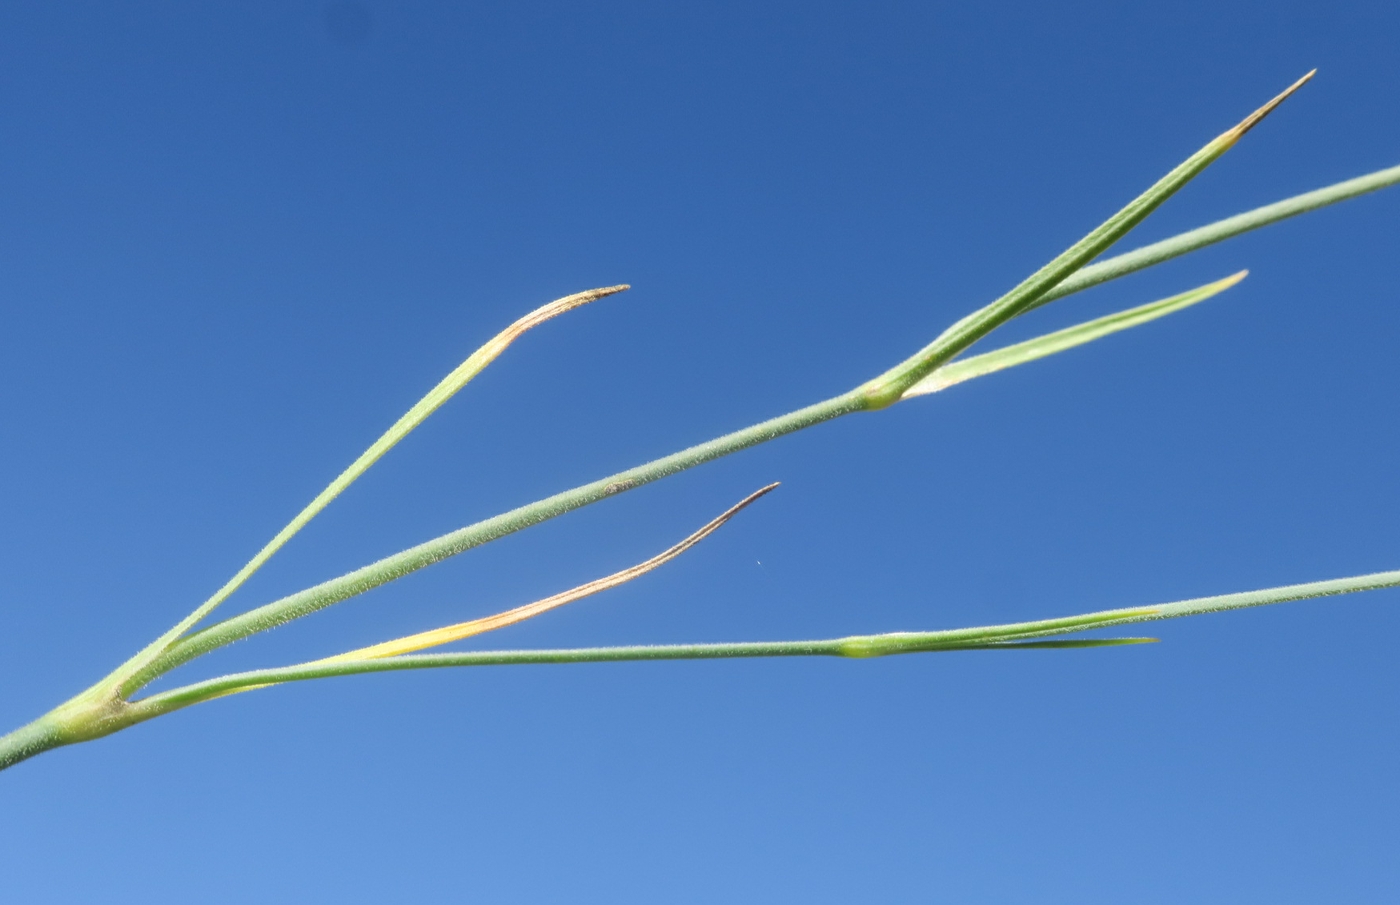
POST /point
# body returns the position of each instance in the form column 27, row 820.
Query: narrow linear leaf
column 1042, row 346
column 961, row 638
column 524, row 516
column 1058, row 645
column 882, row 391
column 887, row 389
column 1183, row 243
column 450, row 633
column 861, row 646
column 106, row 708
column 445, row 390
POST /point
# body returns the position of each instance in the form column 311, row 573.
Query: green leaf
column 435, row 398
column 859, row 646
column 1058, row 645
column 878, row 393
column 887, row 389
column 999, row 360
column 450, row 633
column 1182, row 243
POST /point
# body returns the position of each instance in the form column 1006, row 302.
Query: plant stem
column 26, row 741
column 435, row 398
column 874, row 394
column 447, row 545
column 857, row 646
column 105, row 708
column 887, row 389
column 1178, row 245
column 440, row 548
column 82, row 720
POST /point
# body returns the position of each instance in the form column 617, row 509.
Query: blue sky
column 241, row 238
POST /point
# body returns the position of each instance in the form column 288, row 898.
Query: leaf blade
column 1172, row 247
column 1059, row 645
column 445, row 389
column 962, row 370
column 855, row 646
column 887, row 389
column 447, row 634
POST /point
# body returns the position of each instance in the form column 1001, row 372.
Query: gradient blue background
column 238, row 239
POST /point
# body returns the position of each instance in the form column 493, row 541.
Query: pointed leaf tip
column 461, row 630
column 556, row 308
column 1257, row 116
column 154, row 653
column 961, row 370
column 760, row 492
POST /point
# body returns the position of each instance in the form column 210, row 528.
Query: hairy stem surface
column 857, row 646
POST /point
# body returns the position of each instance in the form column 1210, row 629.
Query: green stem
column 1176, row 246
column 435, row 398
column 104, row 709
column 447, row 545
column 88, row 716
column 25, row 742
column 440, row 548
column 84, row 719
column 889, row 387
column 856, row 646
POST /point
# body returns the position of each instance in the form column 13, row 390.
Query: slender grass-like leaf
column 859, row 646
column 890, row 386
column 435, row 398
column 108, row 706
column 961, row 370
column 1060, row 645
column 449, row 633
column 1149, row 255
column 871, row 395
